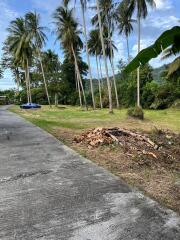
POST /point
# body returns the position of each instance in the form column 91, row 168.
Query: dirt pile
column 158, row 144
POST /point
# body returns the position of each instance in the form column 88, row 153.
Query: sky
column 164, row 16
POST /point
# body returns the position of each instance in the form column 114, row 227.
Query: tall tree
column 1, row 72
column 94, row 46
column 21, row 48
column 142, row 11
column 83, row 8
column 107, row 13
column 104, row 57
column 36, row 32
column 68, row 34
column 51, row 64
column 124, row 22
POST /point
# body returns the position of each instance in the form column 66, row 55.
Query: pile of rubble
column 132, row 142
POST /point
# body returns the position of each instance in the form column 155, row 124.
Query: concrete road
column 48, row 192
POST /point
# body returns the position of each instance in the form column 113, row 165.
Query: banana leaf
column 166, row 39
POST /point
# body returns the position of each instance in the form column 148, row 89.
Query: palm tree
column 83, row 8
column 68, row 34
column 142, row 12
column 51, row 63
column 109, row 50
column 20, row 47
column 94, row 46
column 104, row 57
column 100, row 67
column 1, row 72
column 37, row 35
column 124, row 22
column 107, row 13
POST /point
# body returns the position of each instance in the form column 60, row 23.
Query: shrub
column 136, row 112
column 176, row 104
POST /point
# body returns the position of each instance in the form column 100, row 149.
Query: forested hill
column 156, row 73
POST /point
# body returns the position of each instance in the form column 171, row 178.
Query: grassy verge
column 156, row 179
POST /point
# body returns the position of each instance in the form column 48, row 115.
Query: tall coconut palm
column 94, row 46
column 20, row 46
column 142, row 11
column 124, row 22
column 104, row 57
column 83, row 8
column 68, row 34
column 109, row 50
column 107, row 13
column 51, row 63
column 38, row 36
column 1, row 72
column 100, row 67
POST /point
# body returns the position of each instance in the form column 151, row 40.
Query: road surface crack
column 24, row 175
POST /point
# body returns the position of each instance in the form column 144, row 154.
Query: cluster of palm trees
column 109, row 15
column 24, row 43
column 26, row 39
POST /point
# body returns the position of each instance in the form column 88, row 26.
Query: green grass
column 77, row 119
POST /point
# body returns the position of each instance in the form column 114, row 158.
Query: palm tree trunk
column 81, row 85
column 114, row 81
column 88, row 58
column 127, row 42
column 78, row 88
column 138, row 70
column 17, row 79
column 99, row 83
column 104, row 57
column 56, row 100
column 27, row 85
column 44, row 79
column 79, row 76
column 112, row 66
column 101, row 72
column 28, row 80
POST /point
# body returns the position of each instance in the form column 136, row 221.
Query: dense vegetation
column 42, row 78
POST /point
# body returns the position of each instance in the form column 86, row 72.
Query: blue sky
column 166, row 15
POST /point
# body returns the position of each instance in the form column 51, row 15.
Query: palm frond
column 166, row 39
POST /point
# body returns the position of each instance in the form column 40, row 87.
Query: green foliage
column 176, row 104
column 127, row 86
column 165, row 96
column 149, row 92
column 38, row 96
column 136, row 112
column 68, row 91
column 10, row 96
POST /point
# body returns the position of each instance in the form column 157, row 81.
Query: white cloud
column 163, row 4
column 143, row 44
column 161, row 22
column 6, row 15
column 157, row 62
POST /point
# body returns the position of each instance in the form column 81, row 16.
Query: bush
column 176, row 104
column 136, row 112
